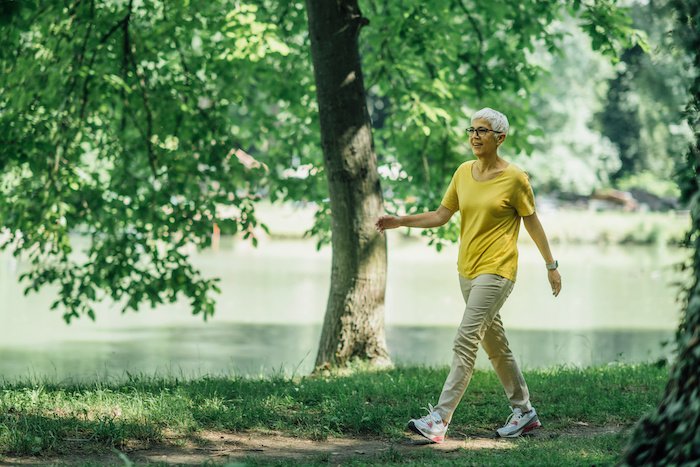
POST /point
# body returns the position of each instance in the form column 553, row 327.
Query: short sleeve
column 450, row 200
column 523, row 198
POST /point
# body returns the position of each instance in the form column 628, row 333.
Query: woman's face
column 483, row 143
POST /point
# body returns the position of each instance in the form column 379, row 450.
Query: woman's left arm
column 534, row 228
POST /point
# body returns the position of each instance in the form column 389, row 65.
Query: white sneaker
column 519, row 423
column 431, row 426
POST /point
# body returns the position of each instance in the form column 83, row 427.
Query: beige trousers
column 484, row 296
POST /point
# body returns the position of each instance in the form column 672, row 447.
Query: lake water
column 617, row 304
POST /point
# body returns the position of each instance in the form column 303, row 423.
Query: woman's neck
column 488, row 162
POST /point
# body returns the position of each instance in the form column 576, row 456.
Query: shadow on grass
column 32, row 434
column 233, row 414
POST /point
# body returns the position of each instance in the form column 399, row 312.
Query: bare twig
column 476, row 67
column 188, row 83
column 84, row 97
column 152, row 162
column 424, row 158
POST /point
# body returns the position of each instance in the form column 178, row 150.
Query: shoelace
column 514, row 418
column 429, row 417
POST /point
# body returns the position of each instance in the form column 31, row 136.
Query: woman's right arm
column 424, row 220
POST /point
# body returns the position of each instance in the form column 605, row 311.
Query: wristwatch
column 552, row 266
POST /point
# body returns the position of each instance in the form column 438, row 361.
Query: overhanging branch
column 141, row 80
column 476, row 67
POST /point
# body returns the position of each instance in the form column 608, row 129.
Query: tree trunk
column 670, row 435
column 354, row 321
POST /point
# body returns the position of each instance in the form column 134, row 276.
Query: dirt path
column 221, row 447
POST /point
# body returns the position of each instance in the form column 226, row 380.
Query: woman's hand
column 555, row 281
column 387, row 222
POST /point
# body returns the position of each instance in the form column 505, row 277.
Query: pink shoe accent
column 532, row 426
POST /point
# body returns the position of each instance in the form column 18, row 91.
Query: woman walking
column 492, row 196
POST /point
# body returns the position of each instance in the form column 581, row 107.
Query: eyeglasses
column 481, row 131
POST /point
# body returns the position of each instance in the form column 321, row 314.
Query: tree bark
column 354, row 321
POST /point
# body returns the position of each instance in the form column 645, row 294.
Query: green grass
column 46, row 419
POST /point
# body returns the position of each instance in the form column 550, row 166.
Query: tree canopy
column 142, row 123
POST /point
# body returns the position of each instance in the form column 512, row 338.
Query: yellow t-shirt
column 490, row 219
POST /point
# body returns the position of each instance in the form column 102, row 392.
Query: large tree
column 669, row 435
column 142, row 123
column 354, row 322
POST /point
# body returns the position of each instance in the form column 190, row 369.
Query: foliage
column 570, row 155
column 668, row 435
column 643, row 113
column 628, row 119
column 429, row 67
column 142, row 123
column 125, row 121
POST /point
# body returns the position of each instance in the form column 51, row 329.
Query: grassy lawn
column 47, row 419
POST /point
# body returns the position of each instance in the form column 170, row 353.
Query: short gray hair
column 498, row 121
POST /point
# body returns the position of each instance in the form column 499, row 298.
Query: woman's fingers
column 379, row 225
column 383, row 223
column 387, row 222
column 555, row 282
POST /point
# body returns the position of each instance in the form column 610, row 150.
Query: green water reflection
column 617, row 304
